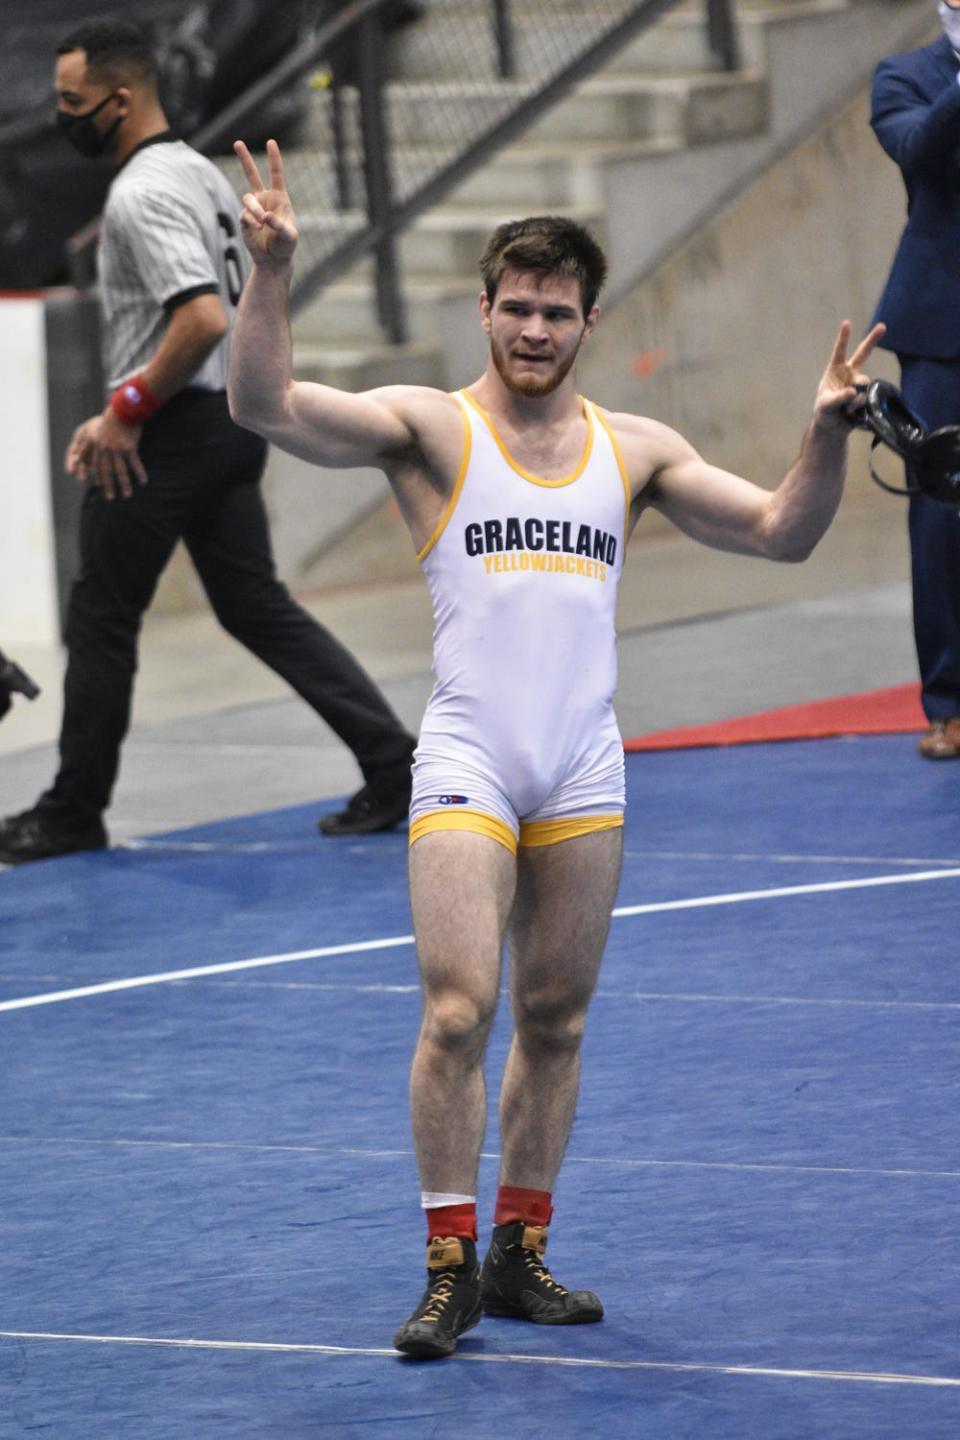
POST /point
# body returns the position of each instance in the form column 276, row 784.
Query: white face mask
column 950, row 20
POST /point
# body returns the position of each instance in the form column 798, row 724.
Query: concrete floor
column 703, row 636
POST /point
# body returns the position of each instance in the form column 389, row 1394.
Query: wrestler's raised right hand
column 267, row 222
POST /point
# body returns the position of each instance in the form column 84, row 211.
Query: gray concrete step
column 458, row 41
column 345, row 314
column 446, row 242
column 601, row 113
column 621, row 105
column 367, row 366
column 452, row 113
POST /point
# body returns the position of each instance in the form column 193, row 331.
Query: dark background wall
column 209, row 51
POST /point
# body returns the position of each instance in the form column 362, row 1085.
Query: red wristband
column 134, row 401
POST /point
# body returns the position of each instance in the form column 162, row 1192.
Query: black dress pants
column 203, row 473
column 932, row 389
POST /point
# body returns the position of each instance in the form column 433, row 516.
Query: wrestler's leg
column 558, row 929
column 461, row 889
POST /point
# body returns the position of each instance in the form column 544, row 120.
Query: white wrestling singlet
column 519, row 738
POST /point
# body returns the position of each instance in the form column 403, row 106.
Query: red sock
column 446, row 1220
column 514, row 1203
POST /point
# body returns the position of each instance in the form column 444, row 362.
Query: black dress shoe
column 366, row 813
column 35, row 835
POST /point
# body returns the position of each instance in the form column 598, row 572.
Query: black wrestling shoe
column 515, row 1281
column 450, row 1304
column 36, row 835
column 368, row 812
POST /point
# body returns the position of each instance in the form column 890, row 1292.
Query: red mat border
column 893, row 711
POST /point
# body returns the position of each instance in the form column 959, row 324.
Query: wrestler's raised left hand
column 837, row 399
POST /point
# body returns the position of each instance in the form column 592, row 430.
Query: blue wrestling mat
column 208, row 1201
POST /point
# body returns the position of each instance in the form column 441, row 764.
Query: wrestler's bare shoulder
column 642, row 430
column 432, row 419
column 415, row 403
column 647, row 445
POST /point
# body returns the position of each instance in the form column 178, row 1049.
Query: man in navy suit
column 916, row 118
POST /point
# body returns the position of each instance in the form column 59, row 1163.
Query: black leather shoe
column 34, row 835
column 368, row 812
column 450, row 1304
column 514, row 1281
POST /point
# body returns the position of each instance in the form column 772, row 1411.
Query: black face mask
column 83, row 134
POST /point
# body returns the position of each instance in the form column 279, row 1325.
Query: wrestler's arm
column 729, row 512
column 316, row 422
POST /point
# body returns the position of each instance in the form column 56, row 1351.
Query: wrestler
column 519, row 496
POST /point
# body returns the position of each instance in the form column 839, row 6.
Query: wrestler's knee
column 551, row 1019
column 455, row 1021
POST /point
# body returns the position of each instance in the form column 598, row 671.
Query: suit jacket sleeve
column 916, row 118
column 918, row 132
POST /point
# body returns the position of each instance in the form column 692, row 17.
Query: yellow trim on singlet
column 533, row 833
column 622, row 468
column 476, row 821
column 551, row 832
column 451, row 504
column 527, row 474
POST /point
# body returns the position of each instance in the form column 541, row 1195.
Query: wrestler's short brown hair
column 545, row 245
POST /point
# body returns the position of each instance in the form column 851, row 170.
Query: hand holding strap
column 933, row 457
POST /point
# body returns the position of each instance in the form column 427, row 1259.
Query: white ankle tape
column 433, row 1199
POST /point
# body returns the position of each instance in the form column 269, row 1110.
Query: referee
column 165, row 462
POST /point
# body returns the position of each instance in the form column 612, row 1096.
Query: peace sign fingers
column 275, row 162
column 839, row 356
column 837, row 399
column 252, row 174
column 248, row 165
column 266, row 220
column 839, row 361
column 867, row 345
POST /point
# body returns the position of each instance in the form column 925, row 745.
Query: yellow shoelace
column 439, row 1295
column 533, row 1262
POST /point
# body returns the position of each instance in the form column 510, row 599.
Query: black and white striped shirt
column 170, row 231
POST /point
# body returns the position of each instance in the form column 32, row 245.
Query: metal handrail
column 722, row 33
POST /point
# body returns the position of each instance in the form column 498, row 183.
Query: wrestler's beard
column 532, row 387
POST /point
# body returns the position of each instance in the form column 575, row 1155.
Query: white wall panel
column 28, row 590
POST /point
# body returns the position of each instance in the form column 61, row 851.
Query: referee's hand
column 103, row 452
column 267, row 221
